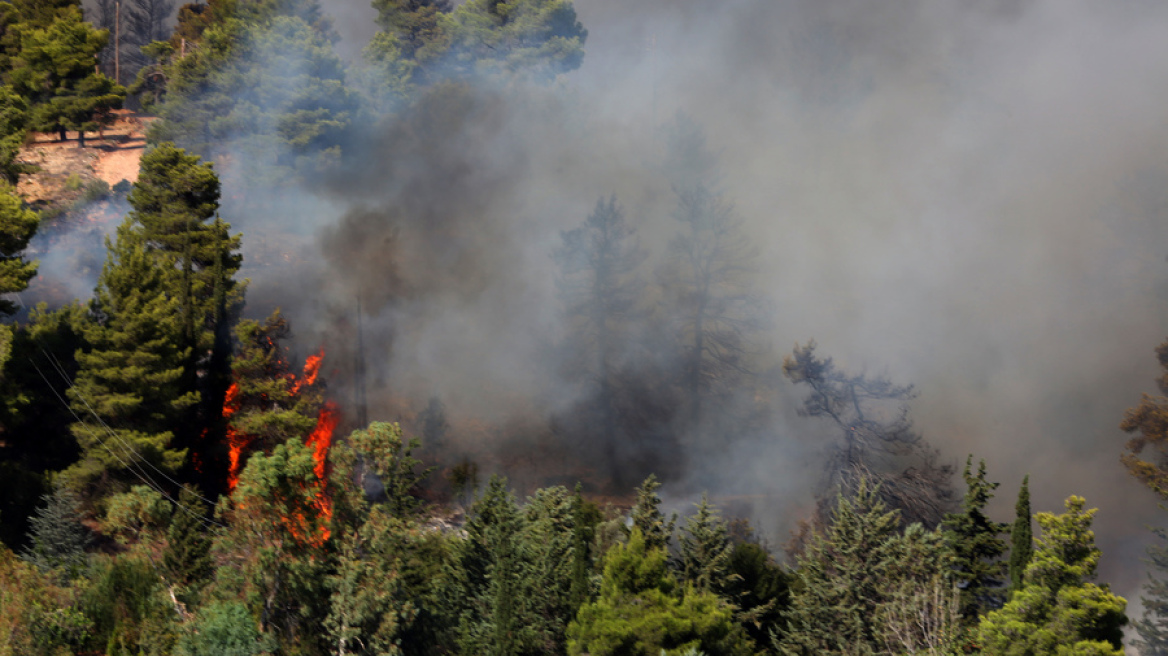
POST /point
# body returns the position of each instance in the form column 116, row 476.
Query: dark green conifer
column 18, row 224
column 586, row 515
column 55, row 71
column 1021, row 539
column 974, row 540
column 705, row 549
column 187, row 558
column 646, row 515
column 128, row 391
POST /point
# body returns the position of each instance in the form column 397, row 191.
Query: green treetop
column 56, row 71
column 973, row 537
column 640, row 611
column 1057, row 610
column 647, row 517
column 1021, row 539
column 704, row 558
column 18, row 224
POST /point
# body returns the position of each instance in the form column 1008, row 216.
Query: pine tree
column 59, row 539
column 1021, row 539
column 174, row 205
column 707, row 278
column 1057, row 610
column 704, row 546
column 647, row 517
column 841, row 574
column 643, row 611
column 127, row 393
column 187, row 558
column 875, row 445
column 55, row 71
column 1152, row 628
column 17, row 226
column 600, row 291
column 13, row 127
column 973, row 537
column 491, row 570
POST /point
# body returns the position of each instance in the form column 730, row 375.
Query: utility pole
column 117, row 41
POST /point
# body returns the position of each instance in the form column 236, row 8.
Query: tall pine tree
column 174, row 205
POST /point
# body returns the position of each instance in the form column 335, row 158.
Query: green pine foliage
column 643, row 611
column 269, row 557
column 647, row 517
column 36, row 427
column 974, row 540
column 1021, row 538
column 369, row 609
column 493, row 564
column 38, row 615
column 128, row 392
column 760, row 588
column 388, row 459
column 54, row 70
column 586, row 517
column 265, row 80
column 866, row 588
column 18, row 224
column 1058, row 610
column 223, row 628
column 840, row 575
column 13, row 127
column 704, row 550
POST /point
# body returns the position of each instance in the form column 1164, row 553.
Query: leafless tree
column 708, row 278
column 877, row 440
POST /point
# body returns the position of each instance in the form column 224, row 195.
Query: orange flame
column 321, row 437
column 311, row 370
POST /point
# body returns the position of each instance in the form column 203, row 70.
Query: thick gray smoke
column 967, row 196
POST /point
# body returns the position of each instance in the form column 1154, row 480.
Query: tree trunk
column 61, row 134
column 81, row 138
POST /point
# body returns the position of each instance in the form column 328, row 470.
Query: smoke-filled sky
column 967, row 196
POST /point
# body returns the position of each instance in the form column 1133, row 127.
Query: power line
column 140, row 474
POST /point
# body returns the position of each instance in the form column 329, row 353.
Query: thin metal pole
column 117, row 42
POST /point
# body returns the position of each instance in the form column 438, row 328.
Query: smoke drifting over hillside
column 967, row 196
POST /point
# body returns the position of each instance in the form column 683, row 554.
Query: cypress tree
column 585, row 518
column 973, row 537
column 1021, row 539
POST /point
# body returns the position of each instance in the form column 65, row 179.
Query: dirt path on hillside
column 65, row 170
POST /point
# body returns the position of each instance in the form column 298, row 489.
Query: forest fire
column 320, row 438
